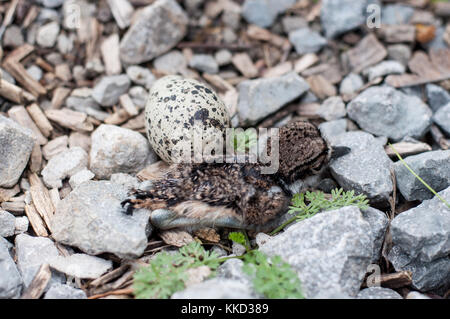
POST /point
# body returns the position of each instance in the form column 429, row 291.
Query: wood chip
column 59, row 95
column 16, row 208
column 278, row 70
column 245, row 65
column 36, row 158
column 136, row 123
column 62, row 72
column 41, row 200
column 122, row 12
column 7, row 193
column 217, row 82
column 20, row 115
column 111, row 54
column 39, row 283
column 177, row 238
column 421, row 64
column 258, row 33
column 54, row 197
column 55, row 146
column 73, row 120
column 40, row 119
column 407, row 148
column 14, row 93
column 305, row 62
column 329, row 71
column 12, row 66
column 36, row 221
column 208, row 234
column 118, row 117
column 308, row 110
column 128, row 105
column 321, row 87
column 398, row 33
column 369, row 51
column 396, row 280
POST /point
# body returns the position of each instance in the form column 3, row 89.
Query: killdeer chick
column 234, row 195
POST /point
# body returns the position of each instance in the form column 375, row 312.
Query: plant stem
column 418, row 177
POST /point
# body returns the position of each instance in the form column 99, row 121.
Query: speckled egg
column 178, row 108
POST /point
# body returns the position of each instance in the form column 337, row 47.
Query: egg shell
column 177, row 105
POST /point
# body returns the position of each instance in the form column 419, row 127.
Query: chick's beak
column 338, row 151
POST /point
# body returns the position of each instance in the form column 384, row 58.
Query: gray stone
column 232, row 269
column 264, row 12
column 378, row 222
column 216, row 288
column 157, row 29
column 118, row 150
column 172, row 62
column 437, row 96
column 291, row 23
column 378, row 293
column 81, row 265
column 442, row 118
column 340, row 16
column 7, row 224
column 35, row 72
column 21, row 225
column 47, row 34
column 59, row 291
column 426, row 276
column 384, row 68
column 63, row 165
column 110, row 88
column 332, row 129
column 65, row 43
column 10, row 280
column 223, row 57
column 332, row 108
column 396, row 14
column 238, row 249
column 80, row 177
column 141, row 76
column 204, row 63
column 351, row 84
column 400, row 53
column 424, row 231
column 13, row 37
column 421, row 243
column 365, row 169
column 433, row 167
column 262, row 97
column 7, row 77
column 92, row 219
column 139, row 96
column 125, row 180
column 32, row 252
column 388, row 112
column 306, row 40
column 16, row 144
column 86, row 105
column 330, row 251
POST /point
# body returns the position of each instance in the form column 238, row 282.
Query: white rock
column 47, row 34
column 81, row 265
column 65, row 164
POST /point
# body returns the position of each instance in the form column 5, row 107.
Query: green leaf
column 309, row 204
column 272, row 277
